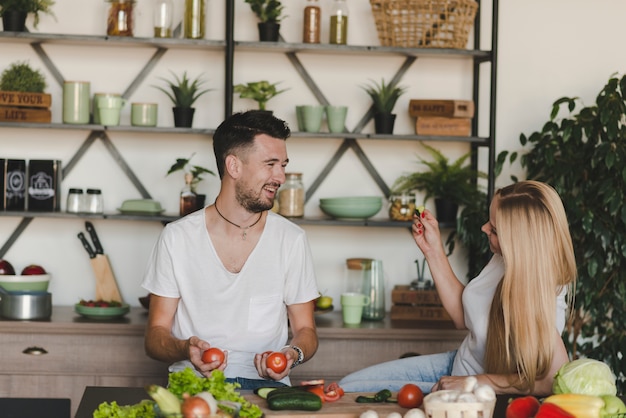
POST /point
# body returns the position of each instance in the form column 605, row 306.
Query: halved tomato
column 331, row 396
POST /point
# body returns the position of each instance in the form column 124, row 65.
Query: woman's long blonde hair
column 539, row 262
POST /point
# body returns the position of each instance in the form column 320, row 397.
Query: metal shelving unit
column 350, row 140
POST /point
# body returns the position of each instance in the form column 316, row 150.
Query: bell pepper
column 551, row 410
column 524, row 407
column 580, row 406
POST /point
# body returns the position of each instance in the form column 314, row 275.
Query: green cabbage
column 586, row 377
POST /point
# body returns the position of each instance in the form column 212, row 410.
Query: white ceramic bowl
column 29, row 283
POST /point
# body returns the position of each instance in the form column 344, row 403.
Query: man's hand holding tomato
column 269, row 364
column 196, row 350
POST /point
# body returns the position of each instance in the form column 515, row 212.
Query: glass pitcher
column 373, row 285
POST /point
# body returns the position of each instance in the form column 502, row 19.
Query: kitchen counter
column 345, row 408
column 80, row 352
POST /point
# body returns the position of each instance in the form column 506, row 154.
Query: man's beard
column 250, row 201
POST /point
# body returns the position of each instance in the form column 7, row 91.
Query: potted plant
column 259, row 91
column 183, row 93
column 19, row 76
column 196, row 173
column 451, row 184
column 384, row 97
column 269, row 14
column 582, row 155
column 14, row 13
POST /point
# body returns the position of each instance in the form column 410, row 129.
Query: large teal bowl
column 351, row 208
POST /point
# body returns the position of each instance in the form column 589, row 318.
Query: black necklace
column 243, row 228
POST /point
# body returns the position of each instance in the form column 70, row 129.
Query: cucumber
column 298, row 401
column 286, row 390
column 264, row 391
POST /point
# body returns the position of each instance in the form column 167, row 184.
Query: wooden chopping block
column 346, row 407
column 106, row 285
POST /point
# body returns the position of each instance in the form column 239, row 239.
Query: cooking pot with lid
column 25, row 305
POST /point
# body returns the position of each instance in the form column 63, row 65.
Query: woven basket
column 424, row 23
column 434, row 407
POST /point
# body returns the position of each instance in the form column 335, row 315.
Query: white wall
column 547, row 50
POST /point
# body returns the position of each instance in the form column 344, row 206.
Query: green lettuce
column 585, row 377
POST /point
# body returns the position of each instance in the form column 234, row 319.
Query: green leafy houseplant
column 583, row 156
column 267, row 10
column 195, row 170
column 27, row 6
column 183, row 91
column 384, row 96
column 444, row 179
column 259, row 91
column 19, row 76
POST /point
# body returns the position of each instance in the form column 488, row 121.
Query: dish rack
column 424, row 23
column 434, row 407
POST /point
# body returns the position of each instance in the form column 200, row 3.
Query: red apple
column 33, row 269
column 6, row 268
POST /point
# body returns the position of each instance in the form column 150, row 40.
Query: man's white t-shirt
column 243, row 313
column 477, row 297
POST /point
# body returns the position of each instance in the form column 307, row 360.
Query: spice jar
column 402, row 207
column 74, row 201
column 312, row 23
column 94, row 202
column 339, row 23
column 120, row 20
column 291, row 196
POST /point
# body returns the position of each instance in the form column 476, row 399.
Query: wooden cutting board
column 346, row 407
column 106, row 285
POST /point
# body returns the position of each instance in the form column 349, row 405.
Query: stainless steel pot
column 25, row 305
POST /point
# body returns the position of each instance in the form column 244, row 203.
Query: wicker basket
column 424, row 23
column 436, row 408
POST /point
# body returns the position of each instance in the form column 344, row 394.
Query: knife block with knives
column 106, row 284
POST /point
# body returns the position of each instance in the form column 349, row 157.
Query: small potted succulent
column 15, row 12
column 269, row 14
column 183, row 93
column 384, row 97
column 259, row 91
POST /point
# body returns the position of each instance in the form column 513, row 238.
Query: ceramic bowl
column 29, row 283
column 351, row 207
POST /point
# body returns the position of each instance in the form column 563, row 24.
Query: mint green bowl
column 29, row 283
column 352, row 208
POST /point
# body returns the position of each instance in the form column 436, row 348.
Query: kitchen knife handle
column 94, row 237
column 85, row 243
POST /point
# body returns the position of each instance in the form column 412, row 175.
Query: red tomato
column 524, row 407
column 277, row 362
column 334, row 386
column 213, row 354
column 410, row 396
column 332, row 396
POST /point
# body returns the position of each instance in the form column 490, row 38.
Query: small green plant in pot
column 259, row 91
column 451, row 184
column 384, row 97
column 19, row 76
column 183, row 93
column 269, row 14
column 14, row 13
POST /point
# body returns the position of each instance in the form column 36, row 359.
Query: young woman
column 514, row 309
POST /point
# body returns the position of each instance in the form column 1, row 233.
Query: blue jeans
column 251, row 384
column 424, row 371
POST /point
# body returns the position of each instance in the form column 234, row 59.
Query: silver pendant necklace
column 243, row 228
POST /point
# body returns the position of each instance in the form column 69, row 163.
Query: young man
column 235, row 275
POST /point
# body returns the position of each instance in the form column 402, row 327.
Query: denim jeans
column 424, row 371
column 251, row 384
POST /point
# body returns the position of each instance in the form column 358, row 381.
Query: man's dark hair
column 237, row 133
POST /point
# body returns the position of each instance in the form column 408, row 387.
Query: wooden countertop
column 329, row 326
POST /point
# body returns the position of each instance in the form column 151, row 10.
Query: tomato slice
column 334, row 386
column 331, row 396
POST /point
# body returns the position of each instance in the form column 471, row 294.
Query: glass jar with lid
column 339, row 22
column 312, row 22
column 74, row 201
column 401, row 207
column 120, row 20
column 291, row 196
column 194, row 20
column 163, row 18
column 94, row 202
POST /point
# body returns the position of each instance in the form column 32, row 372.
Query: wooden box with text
column 443, row 108
column 413, row 304
column 440, row 126
column 16, row 106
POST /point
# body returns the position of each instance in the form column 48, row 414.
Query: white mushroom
column 467, row 397
column 470, row 384
column 394, row 415
column 415, row 413
column 369, row 414
column 484, row 393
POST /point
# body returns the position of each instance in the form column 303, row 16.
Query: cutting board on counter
column 346, row 407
